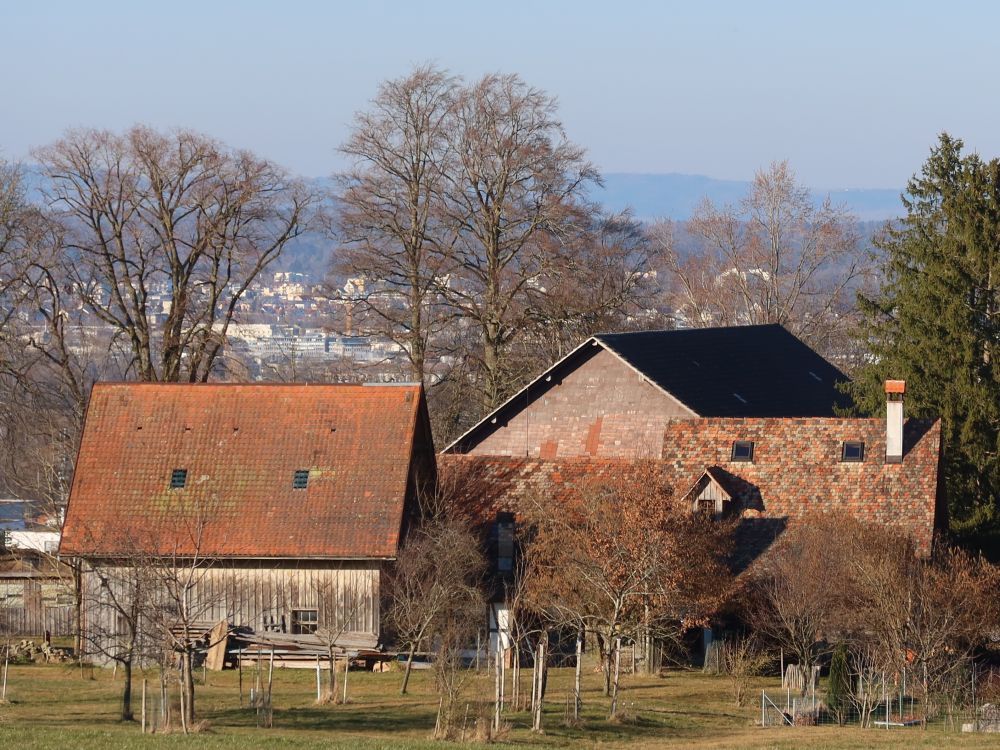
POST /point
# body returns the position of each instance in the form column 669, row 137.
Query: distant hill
column 675, row 196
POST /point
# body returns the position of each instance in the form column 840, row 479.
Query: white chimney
column 894, row 390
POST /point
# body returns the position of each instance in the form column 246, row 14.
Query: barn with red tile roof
column 285, row 493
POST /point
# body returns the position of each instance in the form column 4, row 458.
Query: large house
column 614, row 393
column 743, row 422
column 288, row 500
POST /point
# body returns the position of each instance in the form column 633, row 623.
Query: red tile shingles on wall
column 796, row 471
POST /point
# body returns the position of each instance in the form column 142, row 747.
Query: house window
column 304, row 621
column 505, row 542
column 708, row 506
column 742, row 450
column 852, row 451
column 178, row 479
column 301, row 479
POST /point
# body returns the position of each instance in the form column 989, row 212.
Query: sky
column 853, row 94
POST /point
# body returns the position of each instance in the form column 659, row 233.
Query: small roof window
column 300, row 480
column 852, row 451
column 178, row 479
column 742, row 450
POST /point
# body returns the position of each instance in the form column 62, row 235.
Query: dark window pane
column 301, row 479
column 853, row 450
column 505, row 542
column 304, row 621
column 178, row 479
column 742, row 450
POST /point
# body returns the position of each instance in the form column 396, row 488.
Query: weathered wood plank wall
column 260, row 595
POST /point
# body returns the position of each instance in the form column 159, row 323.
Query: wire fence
column 885, row 703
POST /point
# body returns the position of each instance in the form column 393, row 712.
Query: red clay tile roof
column 241, row 445
column 796, row 471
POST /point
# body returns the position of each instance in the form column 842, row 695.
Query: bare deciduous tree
column 175, row 217
column 743, row 660
column 516, row 196
column 120, row 591
column 777, row 257
column 337, row 607
column 390, row 223
column 926, row 616
column 179, row 596
column 437, row 572
column 607, row 282
column 787, row 605
column 623, row 555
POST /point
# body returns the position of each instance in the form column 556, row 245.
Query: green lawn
column 54, row 707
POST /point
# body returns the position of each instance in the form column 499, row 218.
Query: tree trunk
column 604, row 647
column 188, row 686
column 515, row 679
column 332, row 695
column 127, row 690
column 409, row 667
column 614, row 684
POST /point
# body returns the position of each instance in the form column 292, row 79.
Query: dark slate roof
column 742, row 371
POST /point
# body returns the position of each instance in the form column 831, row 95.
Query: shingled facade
column 281, row 495
column 798, row 467
column 613, row 394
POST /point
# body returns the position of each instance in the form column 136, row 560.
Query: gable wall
column 602, row 408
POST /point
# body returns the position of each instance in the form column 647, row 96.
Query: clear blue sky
column 852, row 93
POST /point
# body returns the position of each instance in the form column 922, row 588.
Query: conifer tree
column 838, row 694
column 936, row 322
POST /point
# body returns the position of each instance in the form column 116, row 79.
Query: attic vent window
column 178, row 479
column 301, row 479
column 742, row 450
column 853, row 451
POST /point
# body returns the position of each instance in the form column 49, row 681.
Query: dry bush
column 743, row 660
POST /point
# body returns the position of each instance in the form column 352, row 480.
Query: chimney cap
column 895, row 386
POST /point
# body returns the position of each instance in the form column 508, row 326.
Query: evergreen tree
column 936, row 322
column 838, row 694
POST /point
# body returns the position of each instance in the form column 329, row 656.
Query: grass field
column 55, row 707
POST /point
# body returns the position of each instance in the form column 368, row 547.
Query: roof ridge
column 262, row 384
column 694, row 329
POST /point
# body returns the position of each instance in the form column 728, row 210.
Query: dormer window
column 742, row 450
column 300, row 480
column 852, row 451
column 178, row 479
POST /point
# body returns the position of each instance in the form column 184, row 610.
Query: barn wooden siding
column 32, row 606
column 259, row 595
